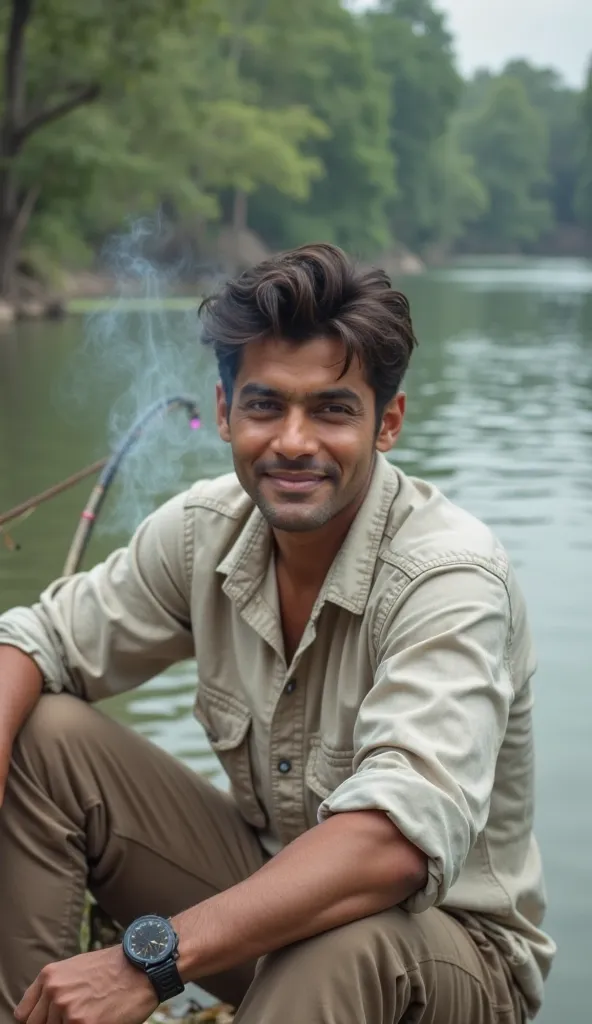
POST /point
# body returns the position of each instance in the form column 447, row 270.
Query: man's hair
column 310, row 292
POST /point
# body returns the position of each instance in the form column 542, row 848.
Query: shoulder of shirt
column 222, row 494
column 425, row 531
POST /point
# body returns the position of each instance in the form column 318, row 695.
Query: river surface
column 499, row 416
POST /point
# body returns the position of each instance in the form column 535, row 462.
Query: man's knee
column 354, row 972
column 56, row 721
column 361, row 947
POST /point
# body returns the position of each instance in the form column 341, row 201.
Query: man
column 364, row 677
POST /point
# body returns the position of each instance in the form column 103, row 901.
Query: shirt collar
column 350, row 577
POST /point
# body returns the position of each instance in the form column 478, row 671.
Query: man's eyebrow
column 254, row 390
column 337, row 395
column 259, row 391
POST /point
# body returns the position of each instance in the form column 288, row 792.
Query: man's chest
column 258, row 658
column 295, row 607
column 279, row 702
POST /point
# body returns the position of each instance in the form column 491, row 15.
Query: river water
column 499, row 416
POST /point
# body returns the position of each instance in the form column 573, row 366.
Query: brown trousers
column 90, row 802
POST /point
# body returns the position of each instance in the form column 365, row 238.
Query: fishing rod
column 19, row 511
column 97, row 496
column 108, row 468
column 102, row 929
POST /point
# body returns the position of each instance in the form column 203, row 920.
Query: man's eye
column 336, row 410
column 263, row 405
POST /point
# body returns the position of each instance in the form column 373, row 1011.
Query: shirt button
column 290, row 686
column 284, row 766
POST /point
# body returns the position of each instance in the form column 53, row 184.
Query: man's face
column 303, row 437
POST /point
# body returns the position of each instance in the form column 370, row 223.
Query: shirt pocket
column 327, row 768
column 227, row 725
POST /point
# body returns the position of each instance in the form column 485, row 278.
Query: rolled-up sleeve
column 110, row 629
column 429, row 731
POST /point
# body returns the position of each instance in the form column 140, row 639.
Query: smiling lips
column 297, row 482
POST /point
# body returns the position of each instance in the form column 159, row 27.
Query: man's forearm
column 351, row 866
column 21, row 683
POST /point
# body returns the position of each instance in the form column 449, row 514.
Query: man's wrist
column 192, row 947
column 140, row 981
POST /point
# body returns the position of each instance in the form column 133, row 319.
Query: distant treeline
column 302, row 121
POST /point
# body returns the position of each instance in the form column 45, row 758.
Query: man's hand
column 94, row 988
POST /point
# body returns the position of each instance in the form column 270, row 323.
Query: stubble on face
column 306, row 498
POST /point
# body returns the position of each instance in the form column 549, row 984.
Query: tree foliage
column 584, row 190
column 559, row 107
column 414, row 50
column 508, row 141
column 310, row 120
column 328, row 62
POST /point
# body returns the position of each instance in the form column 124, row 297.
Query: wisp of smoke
column 142, row 354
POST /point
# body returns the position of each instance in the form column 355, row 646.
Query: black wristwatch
column 151, row 944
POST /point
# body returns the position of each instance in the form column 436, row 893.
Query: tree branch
column 76, row 99
column 14, row 82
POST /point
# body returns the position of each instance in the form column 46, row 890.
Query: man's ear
column 392, row 422
column 222, row 412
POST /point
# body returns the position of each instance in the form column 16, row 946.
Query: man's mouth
column 296, row 482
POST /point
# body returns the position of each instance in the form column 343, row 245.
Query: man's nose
column 295, row 436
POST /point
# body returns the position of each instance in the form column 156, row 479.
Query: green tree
column 457, row 198
column 166, row 118
column 321, row 54
column 584, row 190
column 413, row 49
column 560, row 109
column 59, row 56
column 507, row 139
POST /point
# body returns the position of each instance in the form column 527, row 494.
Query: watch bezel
column 170, row 953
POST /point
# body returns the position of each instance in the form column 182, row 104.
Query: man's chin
column 296, row 518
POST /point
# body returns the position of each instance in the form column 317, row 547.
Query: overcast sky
column 553, row 33
column 549, row 32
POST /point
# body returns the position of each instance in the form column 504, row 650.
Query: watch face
column 149, row 940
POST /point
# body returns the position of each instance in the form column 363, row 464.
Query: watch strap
column 166, row 980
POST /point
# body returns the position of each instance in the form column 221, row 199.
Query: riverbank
column 89, row 291
column 78, row 291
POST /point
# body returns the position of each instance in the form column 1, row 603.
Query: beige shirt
column 410, row 691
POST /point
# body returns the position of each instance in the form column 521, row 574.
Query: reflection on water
column 500, row 416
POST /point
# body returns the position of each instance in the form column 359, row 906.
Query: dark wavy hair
column 309, row 292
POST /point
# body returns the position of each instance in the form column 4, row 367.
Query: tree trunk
column 14, row 102
column 16, row 126
column 8, row 259
column 15, row 214
column 8, row 226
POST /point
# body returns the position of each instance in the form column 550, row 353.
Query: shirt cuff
column 23, row 628
column 425, row 815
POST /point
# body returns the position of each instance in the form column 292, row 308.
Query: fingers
column 54, row 1016
column 40, row 1012
column 29, row 1000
